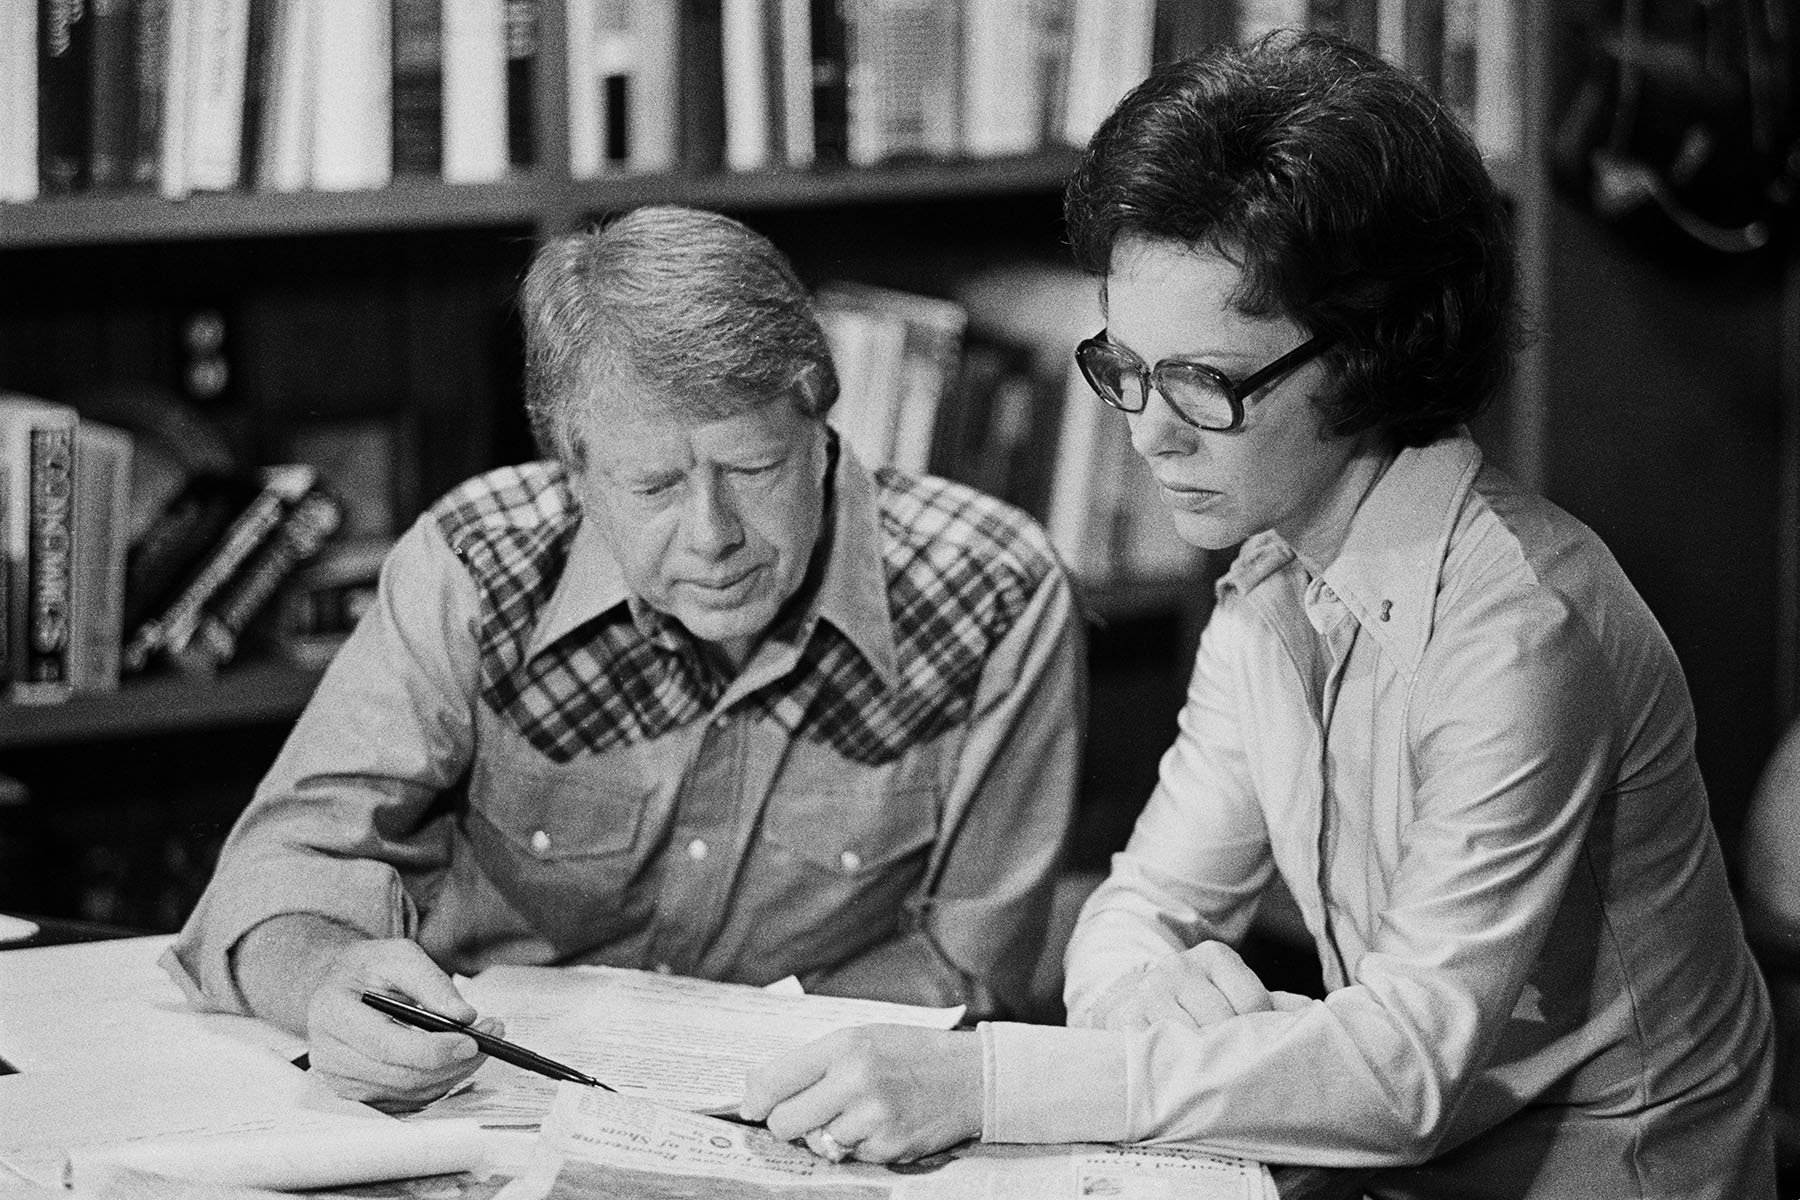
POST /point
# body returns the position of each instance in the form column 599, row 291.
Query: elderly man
column 702, row 695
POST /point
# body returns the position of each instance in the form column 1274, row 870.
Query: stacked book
column 86, row 602
column 997, row 403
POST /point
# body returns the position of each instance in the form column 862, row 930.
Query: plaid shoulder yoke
column 961, row 568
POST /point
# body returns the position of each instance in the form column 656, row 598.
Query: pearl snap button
column 851, row 860
column 540, row 842
column 697, row 849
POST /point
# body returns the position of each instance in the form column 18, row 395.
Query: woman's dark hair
column 1354, row 202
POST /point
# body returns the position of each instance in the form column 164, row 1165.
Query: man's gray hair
column 692, row 305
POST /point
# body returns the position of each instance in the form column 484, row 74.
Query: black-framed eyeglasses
column 1199, row 393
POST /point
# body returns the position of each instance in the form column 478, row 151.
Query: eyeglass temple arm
column 1292, row 359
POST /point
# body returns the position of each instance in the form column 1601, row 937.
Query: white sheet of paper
column 289, row 1160
column 229, row 1088
column 679, row 1041
column 99, row 1003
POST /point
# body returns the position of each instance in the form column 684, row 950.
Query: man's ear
column 815, row 389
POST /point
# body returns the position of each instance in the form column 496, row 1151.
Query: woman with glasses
column 1428, row 701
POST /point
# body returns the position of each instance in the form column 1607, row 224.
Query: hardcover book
column 64, row 64
column 37, row 459
column 167, row 627
column 418, row 87
column 112, row 111
column 18, row 101
column 522, row 40
column 302, row 533
column 102, row 519
column 475, row 141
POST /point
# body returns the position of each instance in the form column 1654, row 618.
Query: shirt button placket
column 707, row 804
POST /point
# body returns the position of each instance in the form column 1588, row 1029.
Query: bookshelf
column 414, row 283
column 253, row 693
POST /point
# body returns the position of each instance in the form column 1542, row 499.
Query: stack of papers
column 126, row 1094
column 686, row 1043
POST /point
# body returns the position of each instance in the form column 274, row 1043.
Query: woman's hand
column 1200, row 987
column 879, row 1093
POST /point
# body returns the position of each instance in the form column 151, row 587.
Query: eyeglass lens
column 1196, row 393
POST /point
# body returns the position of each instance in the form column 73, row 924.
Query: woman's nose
column 1157, row 430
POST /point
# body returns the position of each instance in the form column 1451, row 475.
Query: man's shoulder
column 525, row 499
column 951, row 527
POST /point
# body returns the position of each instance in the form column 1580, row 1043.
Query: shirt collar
column 852, row 592
column 1388, row 570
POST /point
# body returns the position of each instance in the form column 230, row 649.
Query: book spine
column 150, row 28
column 522, row 39
column 646, row 90
column 794, row 21
column 10, row 579
column 1352, row 20
column 172, row 178
column 216, row 119
column 702, row 74
column 44, row 674
column 102, row 513
column 258, row 62
column 474, row 33
column 418, row 87
column 169, row 631
column 744, row 77
column 302, row 533
column 64, row 63
column 284, row 161
column 112, row 128
column 352, row 134
column 830, row 81
column 1422, row 41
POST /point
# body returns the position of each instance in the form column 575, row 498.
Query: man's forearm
column 279, row 963
column 905, row 970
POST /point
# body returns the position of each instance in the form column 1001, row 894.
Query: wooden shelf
column 540, row 202
column 101, row 219
column 251, row 694
column 833, row 187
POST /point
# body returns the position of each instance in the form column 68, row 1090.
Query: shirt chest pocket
column 555, row 813
column 853, row 831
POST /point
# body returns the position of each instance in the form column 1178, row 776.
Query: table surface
column 61, row 931
column 1293, row 1183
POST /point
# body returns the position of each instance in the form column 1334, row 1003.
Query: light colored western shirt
column 1467, row 749
column 512, row 761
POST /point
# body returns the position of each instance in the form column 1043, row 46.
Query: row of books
column 981, row 387
column 177, row 96
column 92, row 590
column 281, row 95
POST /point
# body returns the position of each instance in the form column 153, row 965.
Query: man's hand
column 366, row 1056
column 880, row 1093
column 1201, row 987
column 307, row 974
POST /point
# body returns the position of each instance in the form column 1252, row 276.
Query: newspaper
column 679, row 1041
column 595, row 1143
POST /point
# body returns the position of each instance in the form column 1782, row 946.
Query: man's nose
column 711, row 522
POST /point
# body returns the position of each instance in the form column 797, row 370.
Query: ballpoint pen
column 498, row 1047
